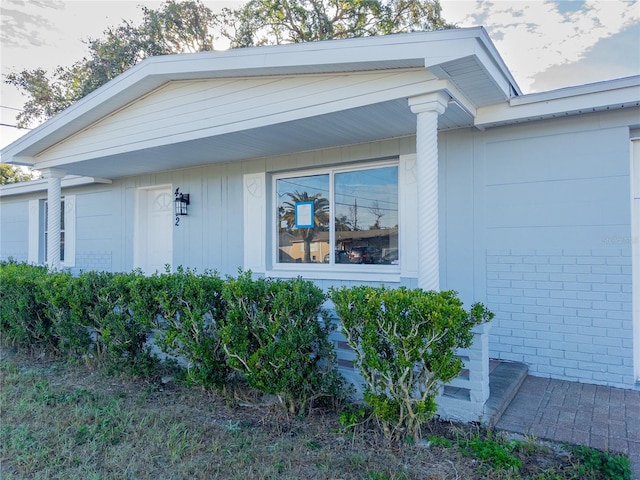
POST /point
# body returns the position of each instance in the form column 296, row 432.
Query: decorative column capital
column 430, row 102
column 53, row 173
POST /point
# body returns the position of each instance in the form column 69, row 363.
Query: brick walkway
column 601, row 417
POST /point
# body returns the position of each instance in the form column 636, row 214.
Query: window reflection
column 365, row 217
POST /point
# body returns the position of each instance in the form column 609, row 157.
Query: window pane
column 366, row 216
column 303, row 201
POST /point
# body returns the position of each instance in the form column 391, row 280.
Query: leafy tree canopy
column 189, row 26
column 11, row 174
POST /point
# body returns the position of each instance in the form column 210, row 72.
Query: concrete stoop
column 505, row 379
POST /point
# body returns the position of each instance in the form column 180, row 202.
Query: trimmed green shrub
column 23, row 320
column 191, row 307
column 276, row 335
column 107, row 301
column 405, row 343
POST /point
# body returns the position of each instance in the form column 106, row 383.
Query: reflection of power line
column 280, row 195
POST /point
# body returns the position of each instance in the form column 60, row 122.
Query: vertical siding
column 14, row 234
column 547, row 200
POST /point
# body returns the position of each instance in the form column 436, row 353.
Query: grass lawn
column 74, row 422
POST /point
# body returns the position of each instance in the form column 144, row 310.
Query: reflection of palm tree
column 320, row 217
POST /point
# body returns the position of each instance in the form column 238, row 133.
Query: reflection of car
column 390, row 258
column 364, row 255
column 341, row 256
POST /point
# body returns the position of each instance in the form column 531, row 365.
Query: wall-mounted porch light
column 180, row 202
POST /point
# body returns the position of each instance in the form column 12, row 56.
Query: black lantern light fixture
column 181, row 201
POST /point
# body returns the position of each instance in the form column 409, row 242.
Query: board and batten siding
column 550, row 205
column 185, row 110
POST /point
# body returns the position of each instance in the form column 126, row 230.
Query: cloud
column 22, row 23
column 534, row 36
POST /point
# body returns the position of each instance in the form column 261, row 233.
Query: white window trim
column 259, row 243
column 36, row 232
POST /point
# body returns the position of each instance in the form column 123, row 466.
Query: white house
column 435, row 170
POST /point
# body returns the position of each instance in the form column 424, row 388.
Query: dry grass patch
column 72, row 422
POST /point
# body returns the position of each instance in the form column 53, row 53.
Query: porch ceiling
column 379, row 121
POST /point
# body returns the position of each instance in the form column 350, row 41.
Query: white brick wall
column 565, row 313
column 87, row 261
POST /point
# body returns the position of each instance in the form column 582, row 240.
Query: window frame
column 45, row 231
column 36, row 229
column 331, row 270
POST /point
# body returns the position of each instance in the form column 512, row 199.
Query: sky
column 546, row 44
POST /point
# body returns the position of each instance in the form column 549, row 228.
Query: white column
column 427, row 108
column 54, row 197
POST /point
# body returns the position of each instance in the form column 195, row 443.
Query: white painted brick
column 577, row 252
column 539, row 276
column 535, row 293
column 577, row 268
column 579, row 356
column 613, row 333
column 507, row 307
column 549, row 268
column 524, row 350
column 621, row 369
column 618, row 261
column 498, row 283
column 549, row 353
column 566, row 329
column 510, row 292
column 607, row 359
column 496, row 267
column 562, row 260
column 510, row 259
column 563, row 346
column 606, row 252
column 577, row 303
column 551, row 336
column 606, row 269
column 578, row 338
column 549, row 252
column 525, row 300
column 523, row 268
column 606, row 323
column 537, row 343
column 624, row 315
column 592, row 296
column 571, row 312
column 512, row 341
column 612, row 306
column 563, row 277
column 563, row 362
column 591, row 278
column 551, row 370
column 577, row 286
column 564, row 294
column 610, row 379
column 606, row 287
column 511, row 276
column 592, row 349
column 578, row 373
column 536, row 360
column 536, row 309
column 550, row 302
column 523, row 284
column 538, row 327
column 591, row 260
column 549, row 285
column 536, row 260
column 619, row 278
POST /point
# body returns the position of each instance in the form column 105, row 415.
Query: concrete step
column 505, row 379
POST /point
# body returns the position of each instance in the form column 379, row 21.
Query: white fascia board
column 40, row 185
column 389, row 51
column 623, row 93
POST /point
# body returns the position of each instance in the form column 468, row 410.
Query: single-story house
column 527, row 203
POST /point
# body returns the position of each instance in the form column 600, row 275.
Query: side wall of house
column 550, row 231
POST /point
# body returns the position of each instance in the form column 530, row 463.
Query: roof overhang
column 450, row 55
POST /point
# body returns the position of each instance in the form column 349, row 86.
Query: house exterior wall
column 550, row 231
column 533, row 222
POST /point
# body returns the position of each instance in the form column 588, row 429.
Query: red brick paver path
column 601, row 417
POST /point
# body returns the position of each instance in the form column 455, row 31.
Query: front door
column 153, row 232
